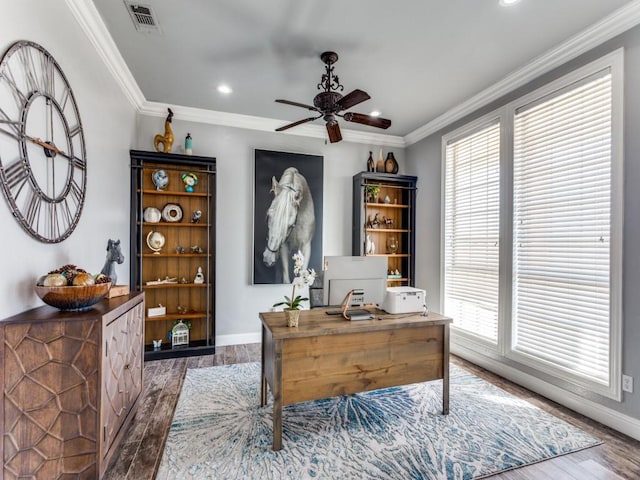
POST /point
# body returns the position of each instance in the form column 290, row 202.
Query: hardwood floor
column 141, row 451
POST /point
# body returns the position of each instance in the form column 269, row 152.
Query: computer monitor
column 366, row 274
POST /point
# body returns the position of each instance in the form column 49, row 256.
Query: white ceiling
column 418, row 59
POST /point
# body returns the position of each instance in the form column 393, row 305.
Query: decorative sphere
column 83, row 279
column 55, row 280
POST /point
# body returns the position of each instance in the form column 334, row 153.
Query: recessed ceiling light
column 226, row 89
column 375, row 113
column 506, row 3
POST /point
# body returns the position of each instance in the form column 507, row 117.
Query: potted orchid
column 302, row 277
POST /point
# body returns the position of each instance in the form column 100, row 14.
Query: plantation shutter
column 561, row 236
column 472, row 185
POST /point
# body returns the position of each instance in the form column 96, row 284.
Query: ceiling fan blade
column 353, row 98
column 296, row 104
column 295, row 124
column 367, row 120
column 333, row 129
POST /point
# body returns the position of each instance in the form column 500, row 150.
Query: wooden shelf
column 387, row 230
column 403, row 279
column 385, row 205
column 177, row 285
column 174, row 194
column 177, row 316
column 175, row 224
column 392, row 255
column 167, row 255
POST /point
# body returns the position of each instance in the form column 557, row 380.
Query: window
column 472, row 181
column 562, row 229
column 557, row 308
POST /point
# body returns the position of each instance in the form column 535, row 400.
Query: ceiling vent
column 143, row 17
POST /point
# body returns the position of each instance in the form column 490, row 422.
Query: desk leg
column 445, row 377
column 263, row 378
column 276, row 391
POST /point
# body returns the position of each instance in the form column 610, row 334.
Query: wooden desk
column 327, row 356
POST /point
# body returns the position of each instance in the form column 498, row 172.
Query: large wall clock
column 42, row 154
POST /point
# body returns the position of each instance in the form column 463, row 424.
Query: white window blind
column 472, row 185
column 562, row 229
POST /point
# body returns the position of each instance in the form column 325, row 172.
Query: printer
column 404, row 300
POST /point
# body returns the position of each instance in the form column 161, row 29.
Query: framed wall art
column 287, row 214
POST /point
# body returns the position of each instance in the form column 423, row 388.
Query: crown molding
column 618, row 22
column 249, row 122
column 93, row 26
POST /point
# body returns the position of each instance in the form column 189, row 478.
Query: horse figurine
column 291, row 221
column 114, row 255
column 167, row 139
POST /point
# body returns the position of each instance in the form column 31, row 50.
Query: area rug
column 219, row 431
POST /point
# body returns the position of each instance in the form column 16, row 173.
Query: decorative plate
column 172, row 212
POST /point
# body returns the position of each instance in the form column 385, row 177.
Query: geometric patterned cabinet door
column 121, row 371
column 53, row 403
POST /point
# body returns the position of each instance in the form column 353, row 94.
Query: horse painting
column 290, row 220
column 114, row 255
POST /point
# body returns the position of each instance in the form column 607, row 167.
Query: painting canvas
column 287, row 214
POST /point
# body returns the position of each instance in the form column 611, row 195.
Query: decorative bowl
column 73, row 297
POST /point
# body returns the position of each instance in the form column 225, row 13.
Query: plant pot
column 292, row 317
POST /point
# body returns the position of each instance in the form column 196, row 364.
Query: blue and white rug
column 219, row 431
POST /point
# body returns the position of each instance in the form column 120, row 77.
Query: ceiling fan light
column 224, row 89
column 507, row 3
column 375, row 113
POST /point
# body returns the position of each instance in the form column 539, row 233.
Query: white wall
column 109, row 128
column 238, row 301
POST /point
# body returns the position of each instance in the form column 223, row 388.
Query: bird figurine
column 370, row 247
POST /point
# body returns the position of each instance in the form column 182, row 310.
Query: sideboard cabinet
column 72, row 382
column 173, row 202
column 384, row 222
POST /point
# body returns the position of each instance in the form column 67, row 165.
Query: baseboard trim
column 238, row 339
column 612, row 418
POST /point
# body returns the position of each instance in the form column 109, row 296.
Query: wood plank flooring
column 139, row 455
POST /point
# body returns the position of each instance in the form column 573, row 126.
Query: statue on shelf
column 199, row 276
column 370, row 247
column 167, row 139
column 114, row 255
column 373, row 223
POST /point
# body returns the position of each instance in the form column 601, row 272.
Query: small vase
column 371, row 167
column 292, row 317
column 390, row 164
column 380, row 164
column 392, row 244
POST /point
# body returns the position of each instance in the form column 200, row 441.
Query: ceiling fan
column 329, row 103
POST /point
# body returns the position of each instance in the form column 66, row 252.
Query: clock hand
column 48, row 146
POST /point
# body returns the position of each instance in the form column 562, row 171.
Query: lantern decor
column 179, row 335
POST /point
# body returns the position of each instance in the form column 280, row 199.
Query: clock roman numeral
column 67, row 216
column 16, row 175
column 78, row 163
column 32, row 212
column 48, row 75
column 25, row 55
column 10, row 127
column 76, row 191
column 18, row 96
column 75, row 130
column 64, row 98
